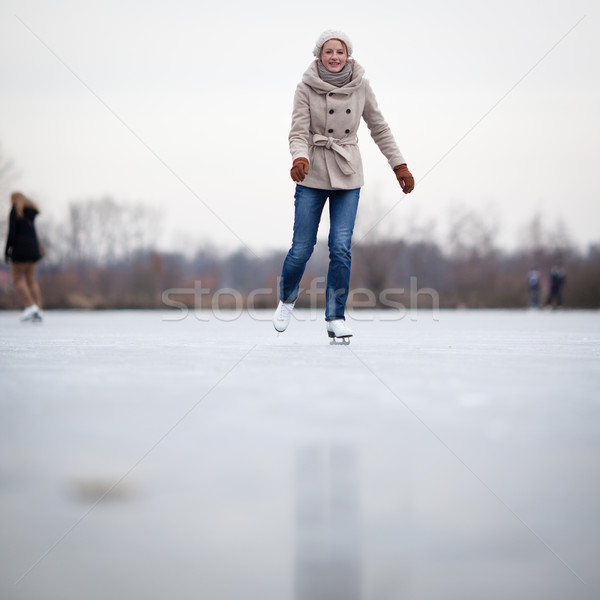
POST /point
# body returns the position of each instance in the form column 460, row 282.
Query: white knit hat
column 332, row 34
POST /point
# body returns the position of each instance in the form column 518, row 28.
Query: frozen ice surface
column 145, row 455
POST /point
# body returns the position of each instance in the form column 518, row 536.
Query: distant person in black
column 23, row 252
column 558, row 279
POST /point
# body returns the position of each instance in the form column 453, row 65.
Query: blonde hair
column 21, row 202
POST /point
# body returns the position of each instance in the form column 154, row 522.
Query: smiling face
column 334, row 55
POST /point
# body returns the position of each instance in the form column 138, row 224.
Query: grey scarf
column 338, row 79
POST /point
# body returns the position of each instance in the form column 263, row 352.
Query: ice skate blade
column 35, row 320
column 339, row 341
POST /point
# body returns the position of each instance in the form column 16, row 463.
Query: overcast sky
column 186, row 106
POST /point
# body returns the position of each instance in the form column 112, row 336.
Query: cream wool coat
column 325, row 123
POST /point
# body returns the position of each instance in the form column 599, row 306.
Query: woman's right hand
column 299, row 170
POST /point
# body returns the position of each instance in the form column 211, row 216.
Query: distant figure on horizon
column 558, row 278
column 23, row 251
column 329, row 104
column 533, row 282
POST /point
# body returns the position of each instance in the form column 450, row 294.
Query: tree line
column 103, row 256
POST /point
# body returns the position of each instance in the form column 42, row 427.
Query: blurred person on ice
column 558, row 278
column 23, row 251
column 533, row 282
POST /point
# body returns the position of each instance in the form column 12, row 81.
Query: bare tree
column 471, row 233
column 103, row 231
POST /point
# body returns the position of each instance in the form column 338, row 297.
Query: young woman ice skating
column 23, row 251
column 328, row 105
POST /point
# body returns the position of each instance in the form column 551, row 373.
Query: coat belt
column 342, row 156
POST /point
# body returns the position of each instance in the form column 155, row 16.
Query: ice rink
column 449, row 456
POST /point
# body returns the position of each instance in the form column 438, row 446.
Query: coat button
column 347, row 131
column 330, row 94
column 348, row 111
column 331, row 111
column 330, row 131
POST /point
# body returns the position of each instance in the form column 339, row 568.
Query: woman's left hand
column 405, row 178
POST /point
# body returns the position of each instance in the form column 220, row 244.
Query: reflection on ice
column 328, row 552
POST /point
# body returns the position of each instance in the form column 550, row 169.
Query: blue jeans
column 309, row 203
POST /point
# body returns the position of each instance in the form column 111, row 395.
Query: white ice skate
column 339, row 331
column 281, row 318
column 31, row 313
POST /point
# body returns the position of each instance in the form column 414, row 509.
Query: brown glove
column 299, row 169
column 405, row 178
